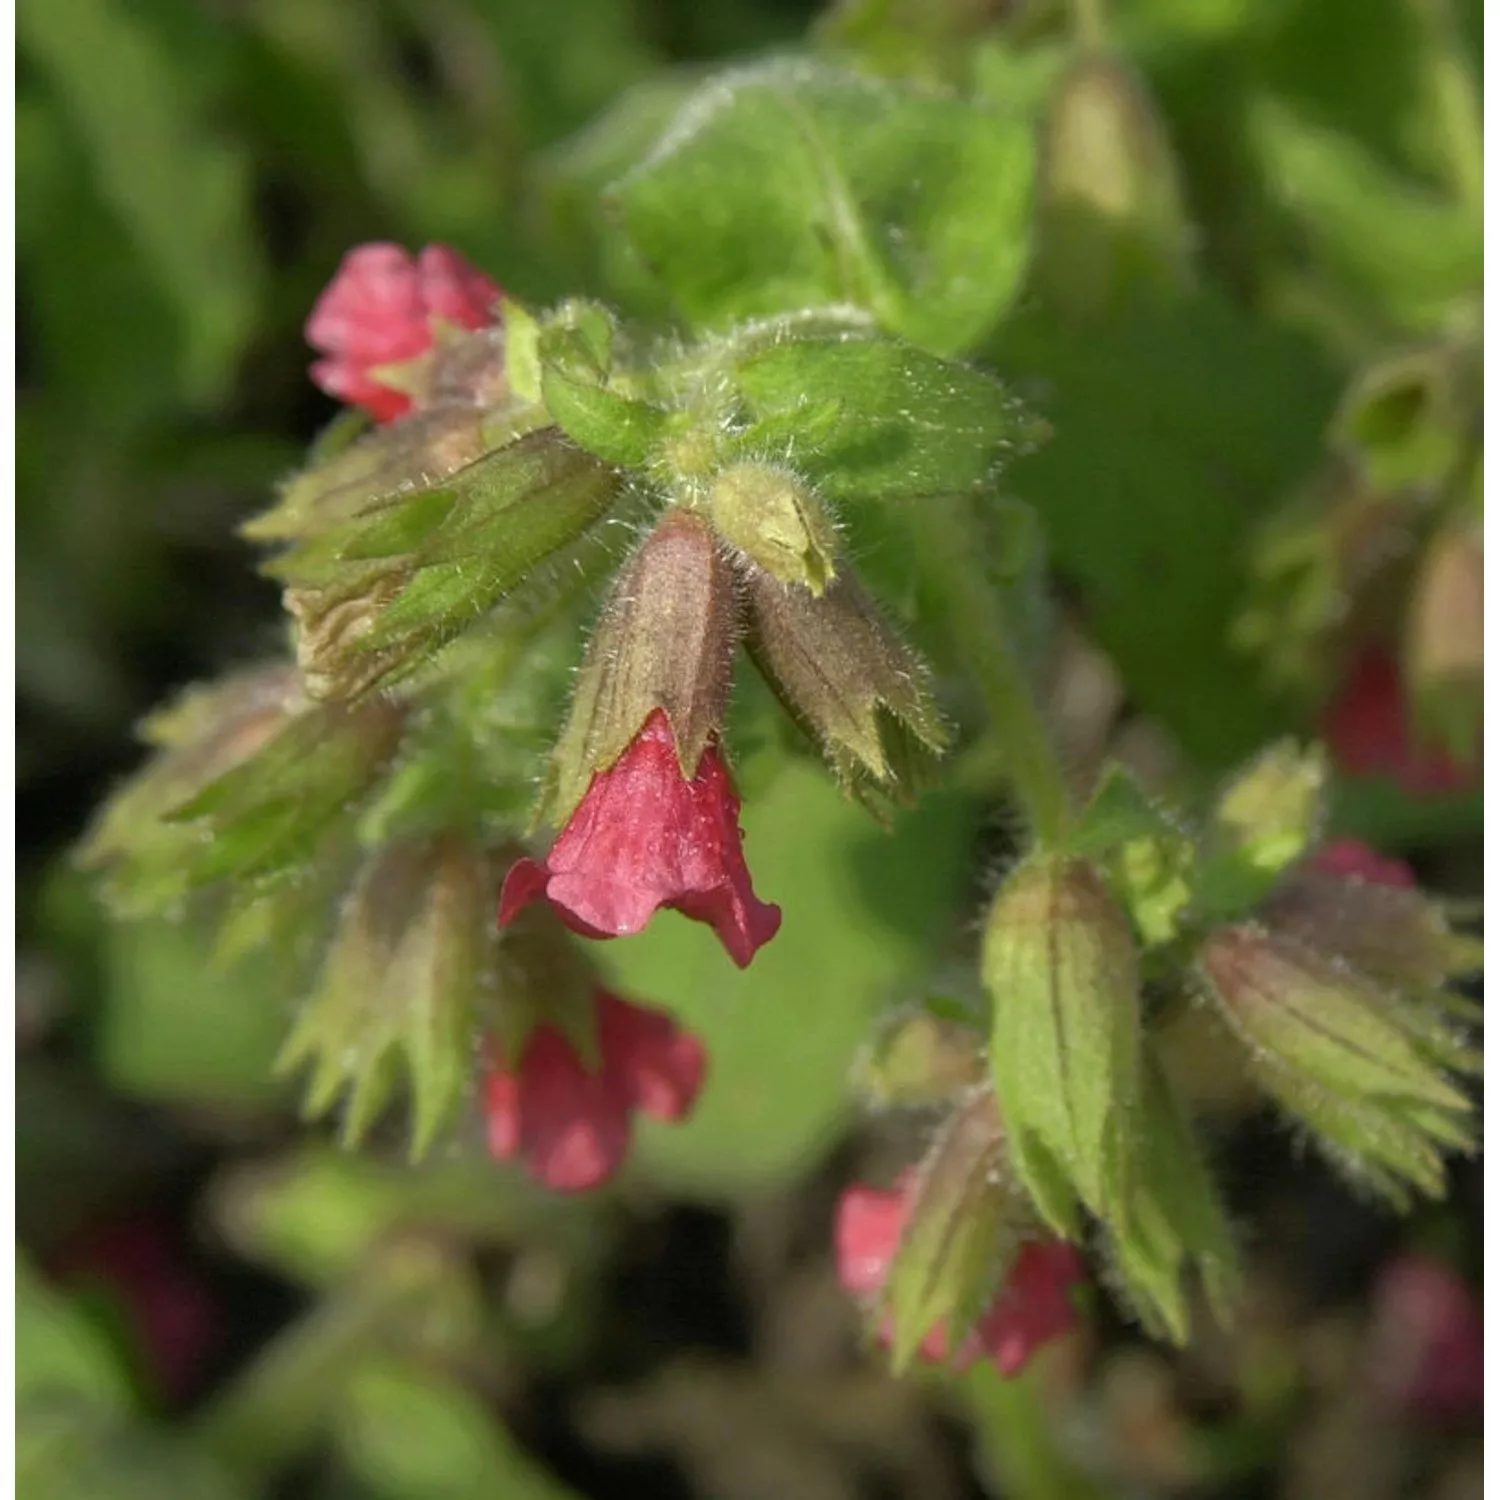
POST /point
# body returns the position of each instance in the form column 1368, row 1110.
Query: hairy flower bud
column 1110, row 216
column 1367, row 1072
column 1060, row 964
column 205, row 733
column 954, row 1271
column 1264, row 821
column 664, row 643
column 920, row 1059
column 1443, row 652
column 845, row 677
column 400, row 989
column 777, row 522
column 1371, row 916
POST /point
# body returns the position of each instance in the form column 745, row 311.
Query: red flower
column 382, row 309
column 1349, row 859
column 1426, row 1352
column 643, row 837
column 569, row 1125
column 1368, row 727
column 1034, row 1306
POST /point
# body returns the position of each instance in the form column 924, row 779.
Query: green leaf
column 1401, row 245
column 862, row 912
column 1176, row 427
column 804, row 184
column 1118, row 813
column 65, row 1449
column 907, row 424
column 178, row 1029
column 59, row 1352
column 180, row 190
column 412, row 1433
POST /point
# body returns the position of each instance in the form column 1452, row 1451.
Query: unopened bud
column 1265, row 820
column 1366, row 1073
column 845, row 677
column 777, row 522
column 1110, row 218
column 665, row 641
column 920, row 1059
column 1393, row 935
column 1060, row 964
column 1444, row 646
column 400, row 989
column 1178, row 1224
column 963, row 1229
column 208, row 731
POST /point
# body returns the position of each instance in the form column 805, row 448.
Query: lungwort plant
column 572, row 590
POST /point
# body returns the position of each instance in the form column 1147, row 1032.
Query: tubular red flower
column 1349, row 859
column 1368, row 728
column 570, row 1123
column 644, row 837
column 384, row 309
column 1033, row 1307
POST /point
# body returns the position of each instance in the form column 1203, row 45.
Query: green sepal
column 400, row 990
column 962, row 1230
column 1177, row 1222
column 1059, row 961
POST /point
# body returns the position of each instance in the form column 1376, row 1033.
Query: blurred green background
column 188, row 174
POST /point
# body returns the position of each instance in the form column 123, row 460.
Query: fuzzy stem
column 948, row 536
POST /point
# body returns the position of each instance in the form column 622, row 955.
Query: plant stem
column 948, row 536
column 1015, row 1436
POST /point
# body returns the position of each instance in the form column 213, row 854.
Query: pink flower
column 1426, row 1352
column 644, row 837
column 1033, row 1307
column 1349, row 859
column 1368, row 727
column 385, row 309
column 570, row 1123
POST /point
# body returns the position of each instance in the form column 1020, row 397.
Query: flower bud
column 1060, row 964
column 844, row 676
column 920, row 1059
column 1110, row 219
column 1178, row 1224
column 1443, row 662
column 1367, row 1073
column 208, row 730
column 779, row 524
column 400, row 989
column 665, row 642
column 962, row 1230
column 1265, row 820
column 1390, row 933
